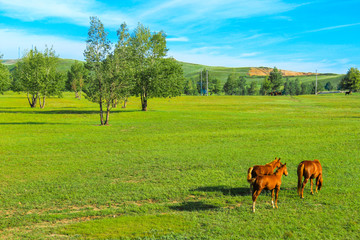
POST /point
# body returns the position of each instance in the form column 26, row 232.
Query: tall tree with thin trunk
column 97, row 49
column 152, row 79
column 75, row 78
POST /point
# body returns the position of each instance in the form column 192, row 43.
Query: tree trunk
column 115, row 103
column 101, row 112
column 77, row 95
column 144, row 104
column 32, row 101
column 125, row 102
column 42, row 105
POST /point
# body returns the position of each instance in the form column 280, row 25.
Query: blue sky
column 291, row 35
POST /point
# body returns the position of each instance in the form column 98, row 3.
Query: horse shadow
column 226, row 191
column 193, row 206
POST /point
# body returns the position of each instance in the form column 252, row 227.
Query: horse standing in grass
column 266, row 169
column 310, row 170
column 270, row 182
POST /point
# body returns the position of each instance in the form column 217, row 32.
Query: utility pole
column 316, row 83
column 201, row 83
column 207, row 83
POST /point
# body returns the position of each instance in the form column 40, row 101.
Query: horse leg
column 255, row 195
column 302, row 187
column 272, row 198
column 277, row 196
column 311, row 182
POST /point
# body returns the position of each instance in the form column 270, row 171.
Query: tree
column 241, row 86
column 252, row 90
column 152, row 79
column 297, row 87
column 230, row 85
column 5, row 80
column 215, row 86
column 266, row 86
column 329, row 86
column 36, row 74
column 275, row 78
column 97, row 50
column 76, row 77
column 351, row 81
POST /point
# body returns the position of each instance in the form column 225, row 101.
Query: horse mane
column 277, row 170
column 272, row 161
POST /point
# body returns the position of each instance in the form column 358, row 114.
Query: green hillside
column 192, row 71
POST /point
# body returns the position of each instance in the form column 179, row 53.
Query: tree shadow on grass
column 66, row 111
column 193, row 206
column 227, row 191
column 32, row 123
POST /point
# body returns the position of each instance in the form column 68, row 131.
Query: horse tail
column 300, row 172
column 249, row 176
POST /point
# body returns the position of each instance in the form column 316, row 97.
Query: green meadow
column 177, row 171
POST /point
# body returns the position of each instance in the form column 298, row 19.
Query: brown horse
column 270, row 182
column 266, row 169
column 309, row 169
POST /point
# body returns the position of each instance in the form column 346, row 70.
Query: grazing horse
column 270, row 182
column 348, row 93
column 309, row 169
column 266, row 169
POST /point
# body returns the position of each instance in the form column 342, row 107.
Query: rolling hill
column 192, row 71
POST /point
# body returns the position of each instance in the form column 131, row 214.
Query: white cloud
column 76, row 12
column 288, row 62
column 11, row 40
column 333, row 27
column 178, row 39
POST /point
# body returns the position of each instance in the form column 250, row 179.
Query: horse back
column 262, row 170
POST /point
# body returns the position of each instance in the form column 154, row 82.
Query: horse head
column 283, row 166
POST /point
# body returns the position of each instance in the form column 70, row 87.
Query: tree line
column 136, row 65
column 274, row 83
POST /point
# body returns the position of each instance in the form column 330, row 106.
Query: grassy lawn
column 177, row 171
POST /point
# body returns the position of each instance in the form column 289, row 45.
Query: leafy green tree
column 275, row 78
column 297, row 87
column 36, row 74
column 351, row 81
column 252, row 90
column 230, row 85
column 190, row 87
column 266, row 86
column 286, row 90
column 305, row 89
column 215, row 86
column 329, row 86
column 97, row 50
column 75, row 78
column 241, row 86
column 152, row 78
column 5, row 80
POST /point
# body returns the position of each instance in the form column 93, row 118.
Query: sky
column 293, row 35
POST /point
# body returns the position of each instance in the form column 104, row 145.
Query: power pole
column 201, row 82
column 207, row 83
column 316, row 83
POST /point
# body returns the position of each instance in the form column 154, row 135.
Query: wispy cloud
column 333, row 27
column 187, row 10
column 75, row 12
column 177, row 39
column 11, row 40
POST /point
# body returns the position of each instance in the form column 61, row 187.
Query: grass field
column 177, row 171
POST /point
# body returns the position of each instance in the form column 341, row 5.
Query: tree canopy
column 351, row 81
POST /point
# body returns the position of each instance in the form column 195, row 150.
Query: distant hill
column 192, row 71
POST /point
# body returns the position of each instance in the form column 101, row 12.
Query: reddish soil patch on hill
column 264, row 71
